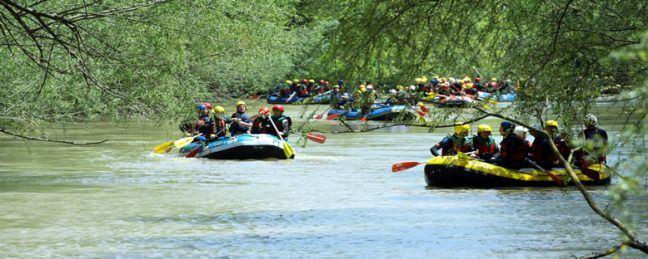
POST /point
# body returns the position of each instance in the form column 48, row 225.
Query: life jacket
column 484, row 146
column 235, row 129
column 261, row 126
column 220, row 127
column 600, row 139
column 207, row 127
column 458, row 145
column 283, row 123
column 512, row 148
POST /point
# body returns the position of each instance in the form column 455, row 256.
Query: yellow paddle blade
column 180, row 143
column 163, row 148
column 288, row 150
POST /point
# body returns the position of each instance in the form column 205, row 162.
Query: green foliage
column 152, row 62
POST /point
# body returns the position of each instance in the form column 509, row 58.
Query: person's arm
column 286, row 128
column 435, row 150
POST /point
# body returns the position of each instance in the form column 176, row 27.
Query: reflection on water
column 337, row 199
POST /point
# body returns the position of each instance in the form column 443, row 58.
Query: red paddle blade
column 423, row 108
column 317, row 134
column 314, row 138
column 364, row 119
column 193, row 152
column 333, row 116
column 421, row 113
column 404, row 166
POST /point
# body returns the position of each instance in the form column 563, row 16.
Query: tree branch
column 52, row 140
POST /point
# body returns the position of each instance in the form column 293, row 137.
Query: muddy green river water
column 333, row 200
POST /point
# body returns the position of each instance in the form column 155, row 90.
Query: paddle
column 288, row 150
column 549, row 173
column 163, row 148
column 316, row 137
column 333, row 116
column 402, row 166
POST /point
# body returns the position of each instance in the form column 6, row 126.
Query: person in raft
column 513, row 150
column 242, row 122
column 261, row 124
column 452, row 144
column 483, row 143
column 282, row 122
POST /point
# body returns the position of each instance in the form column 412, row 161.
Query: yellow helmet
column 311, row 81
column 484, row 127
column 468, row 86
column 296, row 80
column 289, row 82
column 552, row 123
column 219, row 109
column 467, row 79
column 400, row 87
column 417, row 80
column 363, row 88
column 424, row 80
column 240, row 103
column 494, row 79
column 462, row 128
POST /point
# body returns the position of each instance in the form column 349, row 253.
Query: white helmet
column 412, row 87
column 392, row 91
column 519, row 130
column 369, row 87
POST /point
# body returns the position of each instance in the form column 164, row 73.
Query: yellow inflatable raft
column 454, row 171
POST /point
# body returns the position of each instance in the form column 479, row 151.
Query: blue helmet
column 200, row 107
column 340, row 82
column 507, row 126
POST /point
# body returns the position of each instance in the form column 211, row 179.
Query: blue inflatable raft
column 246, row 146
column 277, row 99
column 500, row 97
column 378, row 113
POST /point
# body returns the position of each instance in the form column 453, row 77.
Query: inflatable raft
column 277, row 99
column 247, row 146
column 378, row 113
column 500, row 97
column 452, row 171
column 449, row 101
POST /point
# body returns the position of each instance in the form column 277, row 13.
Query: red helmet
column 477, row 79
column 278, row 108
column 304, row 81
column 321, row 81
column 264, row 110
column 208, row 105
column 326, row 82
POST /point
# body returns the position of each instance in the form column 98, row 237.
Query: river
column 338, row 199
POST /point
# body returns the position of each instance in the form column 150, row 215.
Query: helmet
column 208, row 105
column 296, row 80
column 462, row 128
column 466, row 79
column 321, row 81
column 519, row 130
column 370, row 87
column 219, row 109
column 340, row 82
column 239, row 103
column 363, row 89
column 278, row 107
column 392, row 91
column 590, row 120
column 412, row 87
column 311, row 81
column 400, row 87
column 326, row 82
column 468, row 86
column 452, row 80
column 494, row 79
column 289, row 82
column 264, row 110
column 200, row 107
column 304, row 81
column 477, row 79
column 423, row 79
column 507, row 126
column 552, row 123
column 417, row 80
column 336, row 86
column 484, row 127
